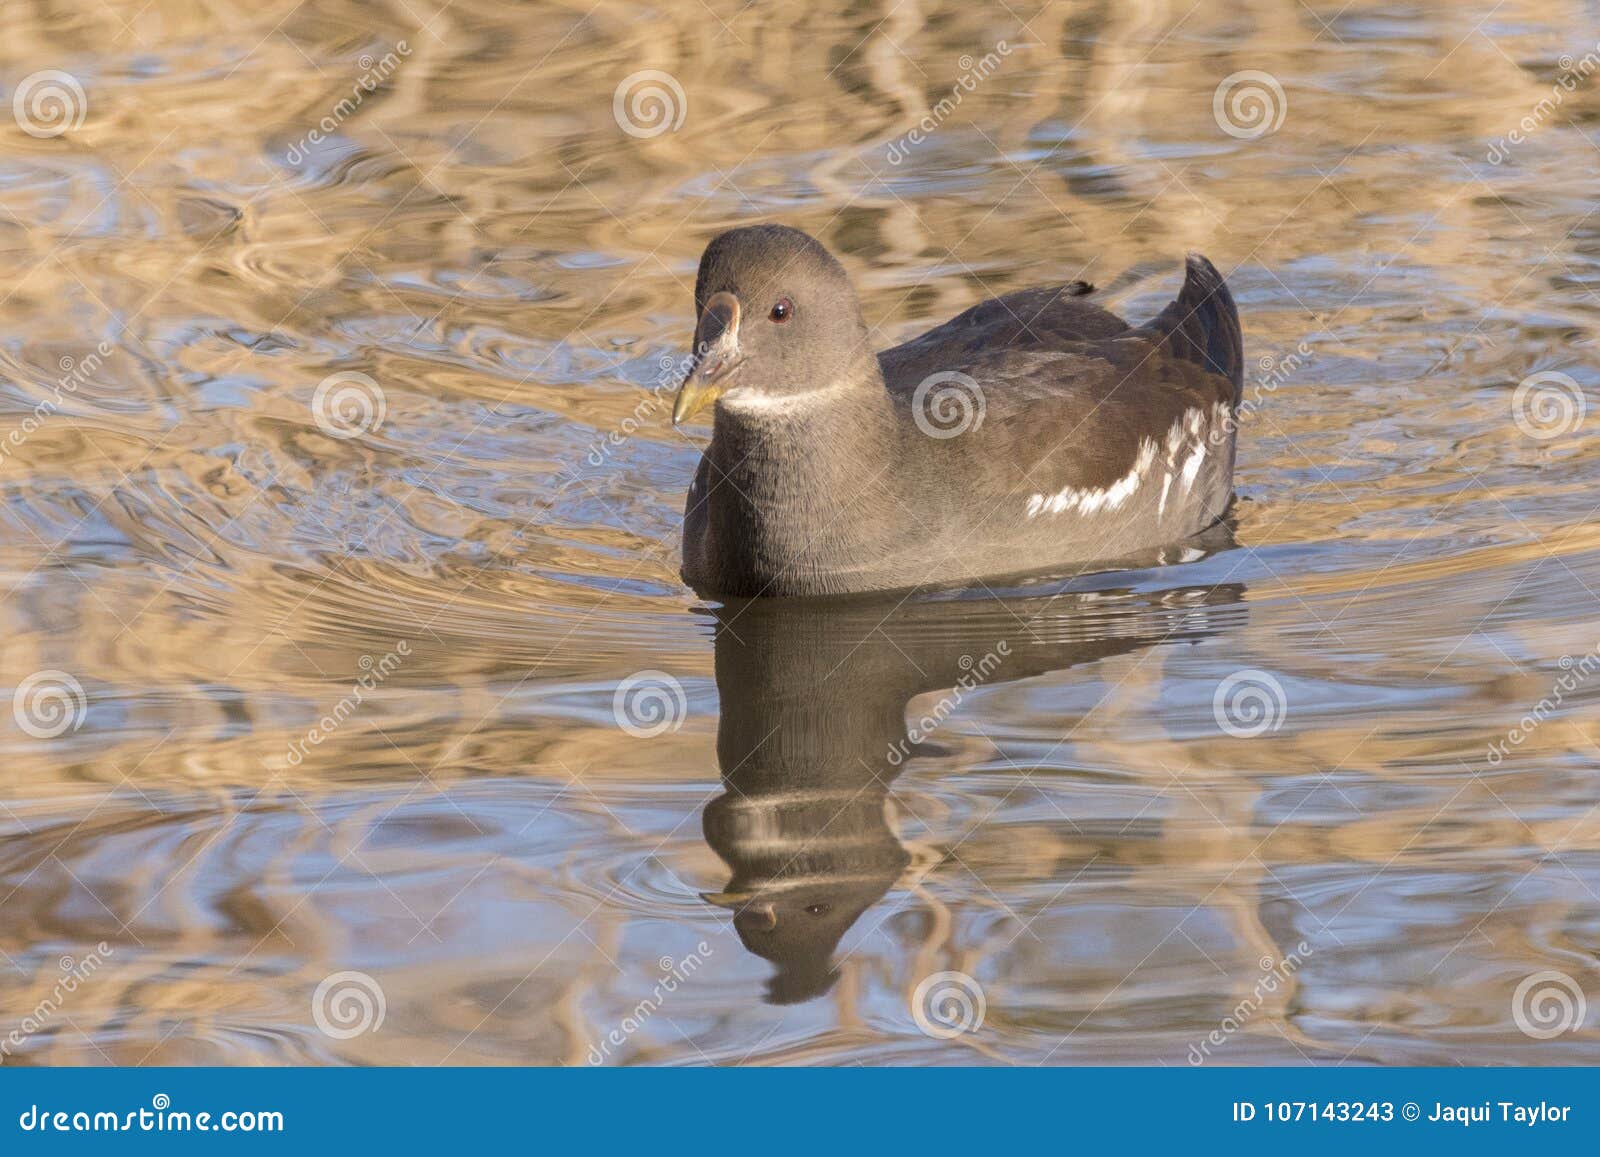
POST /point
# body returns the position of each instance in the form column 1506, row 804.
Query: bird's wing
column 1037, row 320
column 1081, row 417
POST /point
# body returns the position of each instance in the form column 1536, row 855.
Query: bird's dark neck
column 786, row 471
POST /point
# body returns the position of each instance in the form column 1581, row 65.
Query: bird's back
column 1030, row 320
column 1042, row 428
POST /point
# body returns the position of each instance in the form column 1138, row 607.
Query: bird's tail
column 1202, row 325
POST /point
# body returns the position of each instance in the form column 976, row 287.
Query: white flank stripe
column 1094, row 500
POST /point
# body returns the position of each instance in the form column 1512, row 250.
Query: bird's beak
column 716, row 344
column 765, row 913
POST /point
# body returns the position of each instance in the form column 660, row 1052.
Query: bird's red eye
column 783, row 310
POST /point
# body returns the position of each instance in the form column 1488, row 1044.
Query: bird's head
column 778, row 319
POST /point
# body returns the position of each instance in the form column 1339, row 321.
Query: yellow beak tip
column 692, row 399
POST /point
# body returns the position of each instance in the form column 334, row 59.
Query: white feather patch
column 754, row 400
column 1092, row 500
column 1189, row 429
column 1191, row 467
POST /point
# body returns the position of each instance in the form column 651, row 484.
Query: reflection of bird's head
column 806, row 865
column 798, row 928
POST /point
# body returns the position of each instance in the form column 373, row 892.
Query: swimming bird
column 1033, row 432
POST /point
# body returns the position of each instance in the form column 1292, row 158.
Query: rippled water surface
column 398, row 680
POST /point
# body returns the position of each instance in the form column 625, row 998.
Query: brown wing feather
column 1070, row 418
column 1070, row 390
column 1047, row 318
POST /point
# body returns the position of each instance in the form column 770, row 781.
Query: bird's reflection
column 814, row 730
